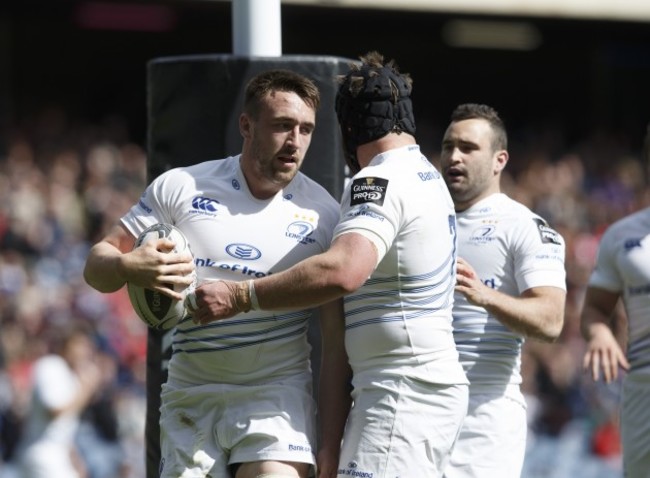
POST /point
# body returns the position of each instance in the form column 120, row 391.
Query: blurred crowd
column 580, row 191
column 62, row 185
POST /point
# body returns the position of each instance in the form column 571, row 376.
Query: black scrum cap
column 371, row 102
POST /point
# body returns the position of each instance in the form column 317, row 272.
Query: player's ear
column 501, row 159
column 244, row 125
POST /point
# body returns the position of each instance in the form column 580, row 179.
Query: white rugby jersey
column 623, row 266
column 399, row 321
column 237, row 237
column 511, row 249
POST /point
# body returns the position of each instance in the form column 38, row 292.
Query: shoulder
column 511, row 206
column 504, row 209
column 188, row 175
column 521, row 218
column 194, row 170
column 519, row 212
column 307, row 187
column 639, row 220
column 635, row 225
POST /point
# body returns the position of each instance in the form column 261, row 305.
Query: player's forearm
column 312, row 282
column 315, row 281
column 308, row 284
column 538, row 317
column 594, row 322
column 597, row 311
column 103, row 270
column 334, row 404
column 335, row 379
column 335, row 382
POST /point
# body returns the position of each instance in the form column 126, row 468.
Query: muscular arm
column 598, row 322
column 538, row 312
column 314, row 281
column 112, row 262
column 321, row 278
column 103, row 269
column 334, row 399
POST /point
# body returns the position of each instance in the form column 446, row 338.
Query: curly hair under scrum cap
column 373, row 99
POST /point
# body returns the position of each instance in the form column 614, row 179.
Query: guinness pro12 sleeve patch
column 365, row 190
column 546, row 233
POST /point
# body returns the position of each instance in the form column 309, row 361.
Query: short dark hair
column 479, row 111
column 279, row 80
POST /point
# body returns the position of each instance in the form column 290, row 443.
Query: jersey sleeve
column 369, row 209
column 605, row 274
column 156, row 204
column 539, row 255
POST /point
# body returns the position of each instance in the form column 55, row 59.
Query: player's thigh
column 206, row 430
column 188, row 443
column 402, row 427
column 635, row 427
column 273, row 469
column 274, row 422
column 492, row 440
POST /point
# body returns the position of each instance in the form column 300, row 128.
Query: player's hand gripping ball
column 155, row 309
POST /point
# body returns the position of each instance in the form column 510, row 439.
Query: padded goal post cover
column 193, row 108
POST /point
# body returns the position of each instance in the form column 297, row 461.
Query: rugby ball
column 155, row 309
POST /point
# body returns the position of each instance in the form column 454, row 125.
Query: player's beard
column 473, row 184
column 270, row 167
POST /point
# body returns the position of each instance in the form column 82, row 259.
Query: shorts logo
column 366, row 190
column 243, row 251
column 352, row 470
column 296, row 447
column 546, row 234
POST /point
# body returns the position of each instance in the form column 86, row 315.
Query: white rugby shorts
column 400, row 427
column 492, row 440
column 205, row 429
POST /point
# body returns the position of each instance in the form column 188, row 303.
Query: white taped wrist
column 255, row 305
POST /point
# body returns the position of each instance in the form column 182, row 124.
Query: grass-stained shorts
column 206, row 428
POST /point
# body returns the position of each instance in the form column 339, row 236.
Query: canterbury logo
column 205, row 204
